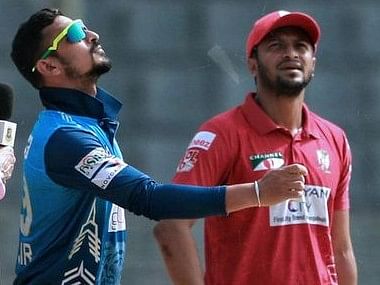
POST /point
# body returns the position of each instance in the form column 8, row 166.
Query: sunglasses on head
column 74, row 33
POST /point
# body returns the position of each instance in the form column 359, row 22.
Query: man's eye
column 303, row 46
column 273, row 45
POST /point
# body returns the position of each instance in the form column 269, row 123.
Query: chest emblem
column 266, row 161
column 323, row 159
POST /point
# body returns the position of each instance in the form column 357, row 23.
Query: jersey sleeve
column 342, row 199
column 87, row 165
column 207, row 158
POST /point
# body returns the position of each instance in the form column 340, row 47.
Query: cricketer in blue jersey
column 76, row 183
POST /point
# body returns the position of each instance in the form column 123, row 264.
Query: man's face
column 81, row 60
column 285, row 61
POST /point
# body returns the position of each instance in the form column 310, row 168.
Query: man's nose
column 92, row 36
column 291, row 52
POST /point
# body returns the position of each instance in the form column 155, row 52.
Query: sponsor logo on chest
column 266, row 161
column 310, row 209
column 117, row 221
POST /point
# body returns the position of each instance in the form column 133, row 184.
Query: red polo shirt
column 289, row 243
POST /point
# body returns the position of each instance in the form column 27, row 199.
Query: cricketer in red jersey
column 296, row 242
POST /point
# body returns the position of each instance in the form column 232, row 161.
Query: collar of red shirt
column 263, row 124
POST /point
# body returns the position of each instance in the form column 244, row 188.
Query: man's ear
column 314, row 63
column 252, row 65
column 49, row 66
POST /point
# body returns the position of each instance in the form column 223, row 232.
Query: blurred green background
column 179, row 62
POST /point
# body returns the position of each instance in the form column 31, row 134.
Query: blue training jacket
column 76, row 187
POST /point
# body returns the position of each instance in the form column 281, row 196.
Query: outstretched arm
column 92, row 168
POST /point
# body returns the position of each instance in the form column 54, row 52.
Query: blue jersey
column 76, row 187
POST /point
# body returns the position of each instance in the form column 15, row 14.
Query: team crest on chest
column 266, row 161
column 323, row 159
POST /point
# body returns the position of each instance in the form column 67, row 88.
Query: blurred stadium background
column 179, row 62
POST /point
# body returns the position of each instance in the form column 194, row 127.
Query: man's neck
column 86, row 87
column 285, row 111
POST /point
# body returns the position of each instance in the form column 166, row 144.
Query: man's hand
column 281, row 184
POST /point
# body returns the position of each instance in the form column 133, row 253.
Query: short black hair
column 26, row 46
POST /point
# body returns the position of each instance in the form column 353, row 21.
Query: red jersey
column 285, row 244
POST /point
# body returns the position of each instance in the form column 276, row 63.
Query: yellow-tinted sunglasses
column 74, row 32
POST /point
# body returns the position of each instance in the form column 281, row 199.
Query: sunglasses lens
column 76, row 33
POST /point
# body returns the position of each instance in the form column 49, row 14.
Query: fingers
column 295, row 173
column 295, row 169
column 296, row 185
column 294, row 194
column 281, row 184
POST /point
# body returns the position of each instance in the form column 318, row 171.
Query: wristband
column 257, row 191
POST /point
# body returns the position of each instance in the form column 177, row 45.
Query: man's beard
column 280, row 85
column 101, row 67
column 97, row 69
